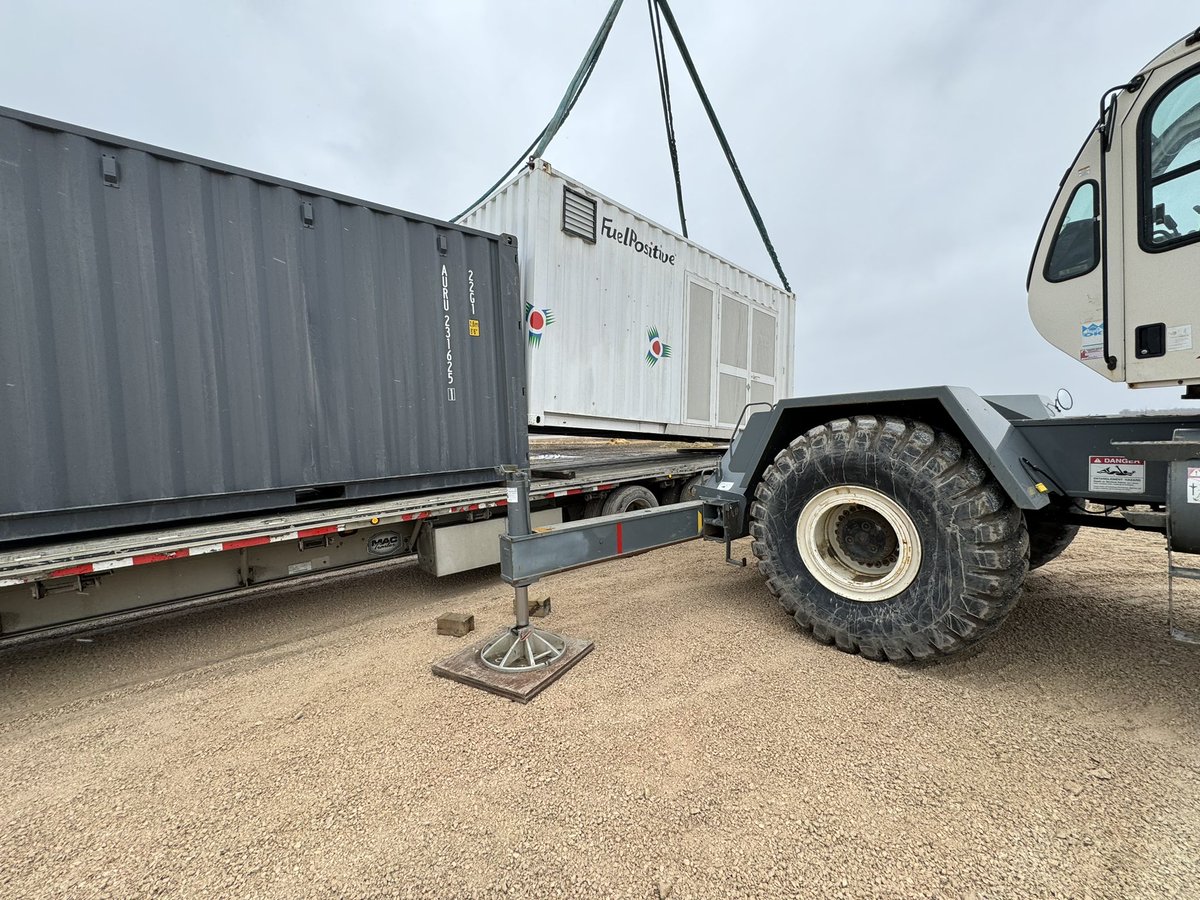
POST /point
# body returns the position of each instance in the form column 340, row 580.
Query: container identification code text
column 449, row 350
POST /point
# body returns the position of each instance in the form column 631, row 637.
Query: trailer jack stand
column 522, row 661
column 519, row 662
column 522, row 648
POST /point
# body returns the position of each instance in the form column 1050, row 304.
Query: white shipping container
column 632, row 327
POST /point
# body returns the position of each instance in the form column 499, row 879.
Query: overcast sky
column 903, row 155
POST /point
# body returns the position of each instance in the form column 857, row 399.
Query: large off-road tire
column 1047, row 538
column 886, row 538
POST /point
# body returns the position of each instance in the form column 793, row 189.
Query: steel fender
column 1012, row 461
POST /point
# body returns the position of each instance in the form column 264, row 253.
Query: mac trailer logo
column 383, row 544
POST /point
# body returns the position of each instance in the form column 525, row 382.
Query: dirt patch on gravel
column 297, row 745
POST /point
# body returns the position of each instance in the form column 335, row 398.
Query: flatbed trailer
column 75, row 586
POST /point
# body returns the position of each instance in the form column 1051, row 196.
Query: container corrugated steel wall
column 595, row 308
column 176, row 341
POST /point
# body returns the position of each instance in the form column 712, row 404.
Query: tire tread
column 993, row 542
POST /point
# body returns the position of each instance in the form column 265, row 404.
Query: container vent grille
column 579, row 215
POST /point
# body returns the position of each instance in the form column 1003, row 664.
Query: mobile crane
column 901, row 524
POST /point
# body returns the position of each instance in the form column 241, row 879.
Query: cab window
column 1170, row 166
column 1076, row 247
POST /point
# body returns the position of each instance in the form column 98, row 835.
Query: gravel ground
column 297, row 745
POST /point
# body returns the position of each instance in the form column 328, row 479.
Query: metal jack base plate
column 467, row 667
column 1182, row 636
column 522, row 649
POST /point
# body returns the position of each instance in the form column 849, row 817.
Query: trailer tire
column 628, row 498
column 687, row 493
column 594, row 506
column 668, row 494
column 1047, row 538
column 915, row 551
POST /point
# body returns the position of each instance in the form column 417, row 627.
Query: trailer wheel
column 1047, row 538
column 687, row 493
column 669, row 493
column 886, row 538
column 629, row 498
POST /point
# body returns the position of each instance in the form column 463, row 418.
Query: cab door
column 1161, row 230
column 1067, row 275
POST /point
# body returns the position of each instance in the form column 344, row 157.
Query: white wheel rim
column 837, row 559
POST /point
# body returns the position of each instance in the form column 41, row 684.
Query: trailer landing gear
column 517, row 680
column 522, row 648
column 522, row 661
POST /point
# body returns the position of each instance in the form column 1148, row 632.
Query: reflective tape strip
column 316, row 532
column 85, row 569
column 245, row 542
column 201, row 549
column 160, row 557
column 108, row 564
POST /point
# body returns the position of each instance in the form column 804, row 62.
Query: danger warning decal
column 1116, row 475
column 536, row 321
column 656, row 348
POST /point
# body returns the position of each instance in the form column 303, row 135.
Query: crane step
column 1185, row 573
column 1145, row 519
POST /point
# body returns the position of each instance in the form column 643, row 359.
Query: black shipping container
column 182, row 339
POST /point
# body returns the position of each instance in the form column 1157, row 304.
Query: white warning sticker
column 512, row 495
column 1179, row 337
column 1116, row 475
column 1193, row 485
column 1091, row 340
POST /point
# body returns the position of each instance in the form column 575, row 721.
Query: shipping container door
column 733, row 369
column 746, row 357
column 762, row 356
column 699, row 360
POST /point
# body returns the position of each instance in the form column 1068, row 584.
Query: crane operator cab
column 1115, row 278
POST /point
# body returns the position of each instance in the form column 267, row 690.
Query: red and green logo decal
column 657, row 349
column 536, row 321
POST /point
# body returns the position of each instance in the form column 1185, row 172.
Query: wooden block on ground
column 538, row 609
column 455, row 624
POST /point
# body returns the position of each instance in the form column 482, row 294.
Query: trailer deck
column 45, row 586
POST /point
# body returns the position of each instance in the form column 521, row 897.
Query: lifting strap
column 712, row 118
column 570, row 98
column 575, row 89
column 664, row 88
